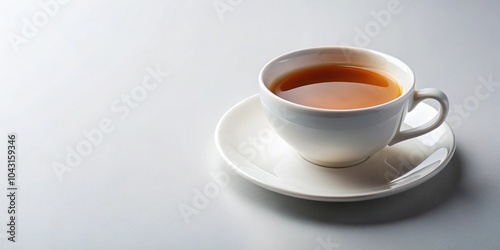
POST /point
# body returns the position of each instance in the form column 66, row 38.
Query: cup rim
column 301, row 107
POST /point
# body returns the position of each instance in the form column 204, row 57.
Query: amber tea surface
column 337, row 87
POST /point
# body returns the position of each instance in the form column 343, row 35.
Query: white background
column 80, row 60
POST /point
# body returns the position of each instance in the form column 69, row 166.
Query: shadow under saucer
column 407, row 204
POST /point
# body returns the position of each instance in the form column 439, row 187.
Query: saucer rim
column 368, row 195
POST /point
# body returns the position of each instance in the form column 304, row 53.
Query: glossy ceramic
column 339, row 138
column 246, row 141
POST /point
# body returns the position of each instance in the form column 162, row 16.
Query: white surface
column 278, row 167
column 126, row 193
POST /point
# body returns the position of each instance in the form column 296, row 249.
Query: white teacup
column 339, row 138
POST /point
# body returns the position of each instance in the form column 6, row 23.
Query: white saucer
column 247, row 143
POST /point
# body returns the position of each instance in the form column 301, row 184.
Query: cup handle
column 418, row 96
